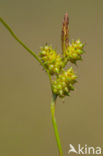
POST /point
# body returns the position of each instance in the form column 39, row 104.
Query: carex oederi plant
column 61, row 80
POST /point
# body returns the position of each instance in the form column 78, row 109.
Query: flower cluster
column 54, row 63
column 64, row 83
column 74, row 51
column 51, row 60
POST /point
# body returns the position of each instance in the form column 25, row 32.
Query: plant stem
column 23, row 45
column 53, row 97
column 18, row 40
column 55, row 125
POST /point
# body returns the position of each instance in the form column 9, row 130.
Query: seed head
column 64, row 83
column 74, row 51
column 52, row 61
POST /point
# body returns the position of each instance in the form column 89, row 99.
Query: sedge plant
column 61, row 80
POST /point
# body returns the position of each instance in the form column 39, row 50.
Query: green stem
column 55, row 125
column 23, row 45
column 18, row 40
column 54, row 96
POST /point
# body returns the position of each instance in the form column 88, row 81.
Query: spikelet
column 64, row 83
column 51, row 60
column 74, row 51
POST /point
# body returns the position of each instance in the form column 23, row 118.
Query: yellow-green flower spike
column 55, row 63
column 64, row 83
column 52, row 61
column 74, row 51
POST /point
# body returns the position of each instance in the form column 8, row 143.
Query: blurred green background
column 25, row 119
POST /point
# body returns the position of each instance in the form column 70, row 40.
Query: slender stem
column 18, row 40
column 54, row 96
column 55, row 125
column 23, row 45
